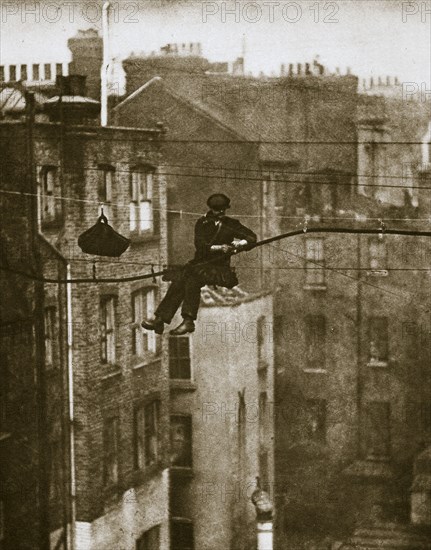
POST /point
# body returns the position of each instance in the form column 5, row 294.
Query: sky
column 372, row 37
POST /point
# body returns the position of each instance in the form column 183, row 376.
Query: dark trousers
column 186, row 289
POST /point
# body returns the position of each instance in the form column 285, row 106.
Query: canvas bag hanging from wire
column 102, row 240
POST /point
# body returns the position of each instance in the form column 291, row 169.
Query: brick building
column 221, row 407
column 114, row 377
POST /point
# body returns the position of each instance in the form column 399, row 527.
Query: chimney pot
column 299, row 68
column 337, row 70
column 380, row 81
column 371, row 82
column 349, row 70
column 396, row 81
column 307, row 69
column 388, row 81
column 283, row 70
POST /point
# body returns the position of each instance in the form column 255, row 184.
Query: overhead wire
column 262, row 242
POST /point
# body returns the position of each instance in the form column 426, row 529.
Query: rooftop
column 212, row 296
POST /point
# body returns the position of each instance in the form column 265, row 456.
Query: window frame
column 143, row 413
column 379, row 361
column 176, row 360
column 186, row 420
column 108, row 351
column 315, row 274
column 379, row 258
column 105, row 190
column 141, row 193
column 143, row 342
column 50, row 203
column 315, row 339
column 317, row 409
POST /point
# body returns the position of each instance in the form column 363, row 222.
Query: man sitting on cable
column 214, row 242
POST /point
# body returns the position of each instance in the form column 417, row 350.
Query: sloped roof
column 212, row 296
column 157, row 80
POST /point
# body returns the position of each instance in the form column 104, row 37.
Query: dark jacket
column 213, row 268
column 207, row 234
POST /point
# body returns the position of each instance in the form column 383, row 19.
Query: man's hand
column 225, row 248
column 239, row 245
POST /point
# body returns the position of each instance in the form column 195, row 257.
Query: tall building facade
column 114, row 388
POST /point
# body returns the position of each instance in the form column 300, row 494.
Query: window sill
column 378, row 273
column 182, row 471
column 143, row 237
column 52, row 223
column 115, row 371
column 176, row 384
column 370, row 469
column 315, row 371
column 142, row 362
column 5, row 435
column 379, row 364
column 314, row 287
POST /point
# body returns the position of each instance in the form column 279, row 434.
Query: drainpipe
column 69, row 320
column 105, row 65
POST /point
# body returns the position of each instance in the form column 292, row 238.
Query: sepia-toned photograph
column 215, row 275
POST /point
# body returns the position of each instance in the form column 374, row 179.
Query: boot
column 155, row 324
column 186, row 326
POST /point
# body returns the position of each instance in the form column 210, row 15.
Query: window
column 110, row 446
column 377, row 414
column 182, row 534
column 47, row 69
column 150, row 540
column 50, row 335
column 315, row 341
column 181, row 441
column 179, row 358
column 378, row 340
column 143, row 306
column 314, row 262
column 108, row 329
column 12, row 73
column 24, row 75
column 141, row 194
column 316, row 420
column 146, row 437
column 377, row 254
column 105, row 189
column 36, row 72
column 50, row 200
